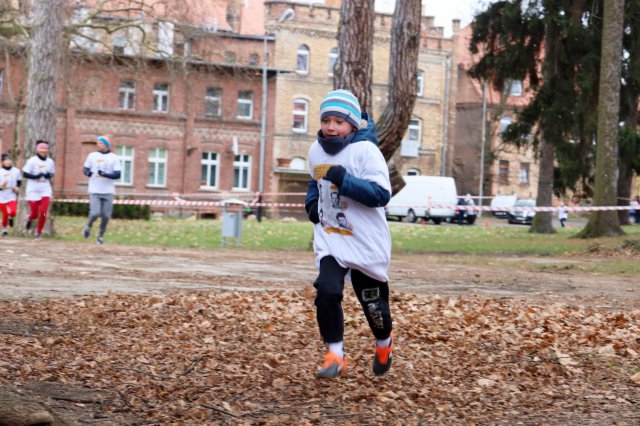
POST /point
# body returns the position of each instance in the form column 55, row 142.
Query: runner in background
column 38, row 170
column 103, row 169
column 10, row 180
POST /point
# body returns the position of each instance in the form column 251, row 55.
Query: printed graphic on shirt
column 332, row 210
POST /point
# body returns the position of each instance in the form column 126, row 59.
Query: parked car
column 502, row 201
column 522, row 215
column 421, row 191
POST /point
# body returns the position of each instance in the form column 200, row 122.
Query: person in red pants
column 39, row 171
column 10, row 180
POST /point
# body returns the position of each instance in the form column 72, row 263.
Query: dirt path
column 57, row 269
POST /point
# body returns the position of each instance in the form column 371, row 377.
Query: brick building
column 306, row 42
column 183, row 110
column 507, row 169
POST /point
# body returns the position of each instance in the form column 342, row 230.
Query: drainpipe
column 483, row 141
column 445, row 127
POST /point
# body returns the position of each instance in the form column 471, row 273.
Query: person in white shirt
column 346, row 195
column 563, row 214
column 39, row 171
column 635, row 208
column 103, row 168
column 10, row 180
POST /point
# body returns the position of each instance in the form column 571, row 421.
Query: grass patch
column 276, row 235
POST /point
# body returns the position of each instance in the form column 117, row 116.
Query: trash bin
column 232, row 211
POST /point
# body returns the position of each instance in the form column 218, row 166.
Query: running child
column 10, row 180
column 353, row 238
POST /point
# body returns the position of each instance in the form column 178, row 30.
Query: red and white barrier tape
column 178, row 202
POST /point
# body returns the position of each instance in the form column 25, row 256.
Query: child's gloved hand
column 313, row 213
column 335, row 175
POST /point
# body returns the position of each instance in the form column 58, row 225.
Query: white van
column 502, row 201
column 419, row 192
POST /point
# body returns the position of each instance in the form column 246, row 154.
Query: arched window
column 300, row 114
column 298, row 163
column 302, row 61
column 333, row 58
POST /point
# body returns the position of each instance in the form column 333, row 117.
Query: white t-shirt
column 563, row 213
column 356, row 235
column 36, row 189
column 8, row 180
column 108, row 163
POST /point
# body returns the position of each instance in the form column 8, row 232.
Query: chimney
column 455, row 26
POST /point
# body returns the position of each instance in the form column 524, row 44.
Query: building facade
column 306, row 40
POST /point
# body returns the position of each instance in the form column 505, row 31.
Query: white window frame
column 333, row 58
column 119, row 44
column 209, row 99
column 515, row 87
column 243, row 101
column 161, row 97
column 127, row 93
column 505, row 121
column 302, row 59
column 210, row 162
column 420, row 83
column 126, row 153
column 300, row 113
column 155, row 162
column 242, row 163
column 415, row 124
column 523, row 174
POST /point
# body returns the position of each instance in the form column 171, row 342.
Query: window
column 161, row 97
column 300, row 113
column 523, row 175
column 126, row 157
column 127, row 95
column 411, row 144
column 503, row 171
column 302, row 61
column 157, row 167
column 298, row 163
column 333, row 58
column 241, row 171
column 245, row 105
column 165, row 39
column 505, row 121
column 514, row 87
column 119, row 43
column 253, row 59
column 420, row 82
column 209, row 175
column 413, row 172
column 230, row 57
column 213, row 102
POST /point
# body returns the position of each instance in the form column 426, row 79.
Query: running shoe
column 100, row 240
column 38, row 237
column 5, row 232
column 382, row 359
column 86, row 231
column 27, row 224
column 333, row 366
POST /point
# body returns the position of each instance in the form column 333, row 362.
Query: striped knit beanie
column 341, row 103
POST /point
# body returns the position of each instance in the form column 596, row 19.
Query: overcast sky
column 446, row 10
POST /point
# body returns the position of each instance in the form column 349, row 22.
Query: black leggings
column 372, row 294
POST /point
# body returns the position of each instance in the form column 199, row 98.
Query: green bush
column 120, row 211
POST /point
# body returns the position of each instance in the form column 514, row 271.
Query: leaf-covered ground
column 224, row 357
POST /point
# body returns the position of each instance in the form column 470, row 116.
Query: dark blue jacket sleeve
column 114, row 175
column 312, row 194
column 368, row 193
column 30, row 176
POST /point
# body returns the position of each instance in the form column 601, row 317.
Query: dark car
column 521, row 214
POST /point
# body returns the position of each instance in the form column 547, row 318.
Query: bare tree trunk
column 355, row 46
column 605, row 223
column 542, row 221
column 403, row 66
column 46, row 49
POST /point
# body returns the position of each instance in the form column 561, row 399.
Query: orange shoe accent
column 332, row 366
column 383, row 353
column 331, row 358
